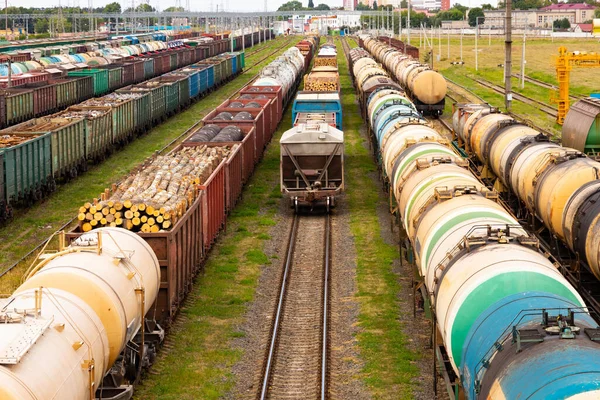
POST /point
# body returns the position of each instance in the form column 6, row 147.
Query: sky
column 196, row 5
column 199, row 5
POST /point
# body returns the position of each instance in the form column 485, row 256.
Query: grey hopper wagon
column 312, row 165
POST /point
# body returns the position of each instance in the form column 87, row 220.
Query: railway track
column 460, row 94
column 543, row 84
column 296, row 364
column 553, row 112
column 168, row 146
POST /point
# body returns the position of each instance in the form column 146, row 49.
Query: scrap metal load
column 154, row 198
column 558, row 185
column 426, row 87
column 511, row 324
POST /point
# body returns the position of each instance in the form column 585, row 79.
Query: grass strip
column 389, row 369
column 33, row 225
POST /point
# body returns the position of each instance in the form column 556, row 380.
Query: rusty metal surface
column 578, row 122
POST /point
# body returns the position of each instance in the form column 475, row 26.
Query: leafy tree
column 561, row 24
column 487, row 6
column 322, row 6
column 41, row 26
column 174, row 9
column 375, row 7
column 597, row 13
column 404, row 4
column 460, row 8
column 474, row 14
column 311, row 4
column 452, row 14
column 362, row 7
column 145, row 8
column 113, row 8
column 291, row 6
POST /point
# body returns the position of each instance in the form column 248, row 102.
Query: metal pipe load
column 64, row 327
column 512, row 325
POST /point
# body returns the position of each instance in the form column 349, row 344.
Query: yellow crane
column 565, row 61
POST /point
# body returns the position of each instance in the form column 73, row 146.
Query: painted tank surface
column 77, row 309
column 506, row 315
column 581, row 129
column 557, row 184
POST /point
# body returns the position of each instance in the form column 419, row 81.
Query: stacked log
column 155, row 197
column 322, row 82
column 326, row 62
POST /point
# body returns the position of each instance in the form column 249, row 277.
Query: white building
column 426, row 4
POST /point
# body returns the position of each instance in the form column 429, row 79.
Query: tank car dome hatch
column 581, row 129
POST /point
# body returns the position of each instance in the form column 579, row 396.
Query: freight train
column 36, row 153
column 311, row 164
column 557, row 185
column 55, row 82
column 510, row 325
column 91, row 313
column 425, row 87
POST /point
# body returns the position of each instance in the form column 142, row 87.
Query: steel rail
column 278, row 313
column 324, row 344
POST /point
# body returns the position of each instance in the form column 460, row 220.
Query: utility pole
column 461, row 40
column 523, row 59
column 6, row 18
column 508, row 55
column 439, row 43
column 448, row 43
column 476, row 49
column 408, row 23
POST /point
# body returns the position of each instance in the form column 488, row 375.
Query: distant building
column 520, row 18
column 426, row 4
column 350, row 5
column 455, row 24
column 576, row 13
column 445, row 5
column 583, row 28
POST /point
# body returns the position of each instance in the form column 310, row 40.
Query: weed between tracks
column 33, row 225
column 389, row 364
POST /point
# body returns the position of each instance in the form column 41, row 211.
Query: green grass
column 35, row 224
column 389, row 369
column 199, row 361
column 540, row 65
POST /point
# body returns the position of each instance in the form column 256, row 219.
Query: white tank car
column 65, row 326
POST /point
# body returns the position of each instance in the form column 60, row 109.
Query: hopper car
column 93, row 314
column 312, row 151
column 507, row 324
